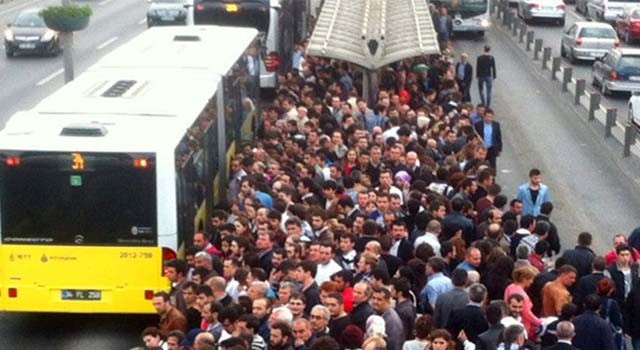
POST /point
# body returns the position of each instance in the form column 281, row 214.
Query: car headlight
column 485, row 23
column 8, row 34
column 48, row 36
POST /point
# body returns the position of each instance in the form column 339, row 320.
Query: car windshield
column 601, row 33
column 629, row 61
column 29, row 20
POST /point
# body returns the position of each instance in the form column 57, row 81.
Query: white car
column 554, row 10
column 634, row 108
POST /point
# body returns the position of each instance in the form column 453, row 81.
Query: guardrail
column 622, row 131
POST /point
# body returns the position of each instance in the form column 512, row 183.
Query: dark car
column 618, row 70
column 166, row 12
column 28, row 34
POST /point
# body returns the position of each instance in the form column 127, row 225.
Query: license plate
column 80, row 294
column 547, row 8
column 27, row 46
column 231, row 7
column 634, row 78
column 167, row 18
column 594, row 54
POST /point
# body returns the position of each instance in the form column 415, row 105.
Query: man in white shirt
column 431, row 236
column 327, row 266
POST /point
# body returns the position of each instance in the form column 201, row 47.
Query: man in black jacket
column 581, row 257
column 588, row 284
column 624, row 272
column 471, row 317
column 361, row 307
column 485, row 73
column 491, row 134
column 489, row 339
column 464, row 75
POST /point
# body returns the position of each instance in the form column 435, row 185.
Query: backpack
column 618, row 333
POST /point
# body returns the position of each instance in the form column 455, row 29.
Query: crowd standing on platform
column 382, row 226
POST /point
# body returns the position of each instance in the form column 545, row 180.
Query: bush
column 72, row 11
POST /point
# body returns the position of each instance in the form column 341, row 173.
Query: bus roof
column 186, row 48
column 136, row 109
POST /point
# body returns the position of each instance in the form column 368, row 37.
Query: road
column 551, row 33
column 27, row 80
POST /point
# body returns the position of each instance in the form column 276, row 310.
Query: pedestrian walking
column 464, row 76
column 491, row 134
column 486, row 74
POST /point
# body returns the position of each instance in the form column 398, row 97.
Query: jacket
column 581, row 258
column 360, row 314
column 618, row 278
column 593, row 332
column 445, row 304
column 528, row 206
column 471, row 318
column 585, row 286
column 561, row 346
column 631, row 312
column 488, row 340
column 496, row 134
column 468, row 73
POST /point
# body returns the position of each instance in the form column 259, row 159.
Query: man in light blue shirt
column 437, row 283
column 472, row 260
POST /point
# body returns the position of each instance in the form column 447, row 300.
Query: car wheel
column 9, row 53
column 571, row 56
column 561, row 22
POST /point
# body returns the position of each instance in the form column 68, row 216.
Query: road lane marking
column 49, row 78
column 106, row 43
column 143, row 21
column 104, row 2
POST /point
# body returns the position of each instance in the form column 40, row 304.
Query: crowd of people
column 383, row 227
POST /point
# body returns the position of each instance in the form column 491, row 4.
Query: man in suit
column 592, row 331
column 489, row 339
column 489, row 130
column 565, row 332
column 401, row 247
column 464, row 75
column 471, row 317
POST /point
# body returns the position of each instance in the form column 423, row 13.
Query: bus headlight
column 485, row 23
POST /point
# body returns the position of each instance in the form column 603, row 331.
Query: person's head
column 326, row 252
column 624, row 255
column 524, row 275
column 302, row 329
column 261, row 308
column 325, row 343
column 567, row 275
column 335, row 303
column 257, row 290
column 473, row 256
column 204, row 341
column 459, row 277
column 514, row 334
column 398, row 230
column 374, row 343
column 592, row 302
column 281, row 335
column 319, row 317
column 477, row 293
column 161, row 303
column 343, row 279
column 605, row 287
column 585, row 239
column 174, row 338
column 565, row 330
column 306, row 271
column 535, row 176
column 229, row 316
column 423, row 326
column 361, row 293
column 176, row 270
column 494, row 314
column 436, row 265
column 200, row 240
column 515, row 303
column 297, row 304
column 381, row 299
column 352, row 337
column 152, row 337
column 441, row 339
column 619, row 239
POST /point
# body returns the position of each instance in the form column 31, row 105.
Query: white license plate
column 547, row 8
column 167, row 18
column 594, row 54
column 27, row 46
column 634, row 78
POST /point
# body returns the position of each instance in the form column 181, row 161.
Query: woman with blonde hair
column 522, row 279
column 374, row 343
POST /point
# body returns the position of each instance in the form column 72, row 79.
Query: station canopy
column 373, row 33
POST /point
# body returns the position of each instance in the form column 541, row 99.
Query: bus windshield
column 464, row 8
column 246, row 13
column 104, row 199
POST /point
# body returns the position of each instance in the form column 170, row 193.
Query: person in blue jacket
column 533, row 193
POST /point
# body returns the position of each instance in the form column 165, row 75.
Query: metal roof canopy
column 373, row 33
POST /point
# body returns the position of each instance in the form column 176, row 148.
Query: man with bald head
column 431, row 236
column 472, row 260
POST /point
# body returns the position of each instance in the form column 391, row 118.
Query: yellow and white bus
column 104, row 180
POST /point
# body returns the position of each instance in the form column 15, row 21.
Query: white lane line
column 49, row 78
column 104, row 2
column 142, row 21
column 106, row 43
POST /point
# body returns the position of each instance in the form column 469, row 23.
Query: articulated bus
column 104, row 180
column 471, row 16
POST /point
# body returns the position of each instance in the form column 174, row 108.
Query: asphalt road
column 551, row 33
column 27, row 80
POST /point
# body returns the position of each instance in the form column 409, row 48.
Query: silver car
column 588, row 41
column 166, row 12
column 542, row 9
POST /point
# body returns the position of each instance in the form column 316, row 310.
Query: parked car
column 542, row 9
column 618, row 70
column 28, row 34
column 588, row 41
column 608, row 10
column 628, row 24
column 634, row 108
column 166, row 12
